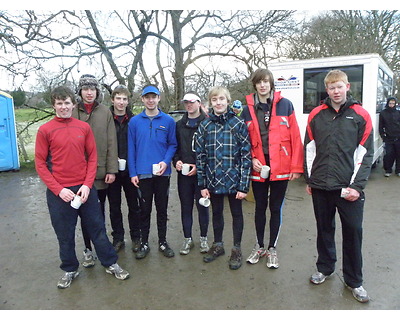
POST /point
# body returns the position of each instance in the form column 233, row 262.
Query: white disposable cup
column 344, row 193
column 76, row 202
column 265, row 172
column 156, row 168
column 185, row 169
column 205, row 202
column 121, row 164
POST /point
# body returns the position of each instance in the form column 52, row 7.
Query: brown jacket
column 102, row 123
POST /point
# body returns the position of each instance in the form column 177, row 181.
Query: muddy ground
column 30, row 264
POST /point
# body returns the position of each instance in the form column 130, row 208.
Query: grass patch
column 27, row 166
column 29, row 114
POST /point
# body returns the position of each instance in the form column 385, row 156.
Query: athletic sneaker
column 318, row 278
column 166, row 250
column 257, row 253
column 360, row 294
column 143, row 251
column 66, row 279
column 204, row 247
column 117, row 271
column 388, row 174
column 235, row 262
column 272, row 258
column 186, row 246
column 216, row 250
column 88, row 258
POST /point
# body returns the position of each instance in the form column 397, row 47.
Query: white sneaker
column 66, row 279
column 186, row 246
column 272, row 259
column 88, row 258
column 204, row 247
column 318, row 278
column 360, row 294
column 118, row 272
column 257, row 253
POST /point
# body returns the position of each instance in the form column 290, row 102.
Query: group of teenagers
column 225, row 148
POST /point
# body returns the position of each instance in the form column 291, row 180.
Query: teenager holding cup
column 276, row 144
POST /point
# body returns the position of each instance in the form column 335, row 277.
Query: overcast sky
column 306, row 8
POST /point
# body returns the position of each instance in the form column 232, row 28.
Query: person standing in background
column 100, row 119
column 188, row 188
column 122, row 114
column 389, row 130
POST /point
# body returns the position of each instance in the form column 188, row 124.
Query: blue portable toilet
column 9, row 156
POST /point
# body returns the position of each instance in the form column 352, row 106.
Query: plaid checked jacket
column 223, row 157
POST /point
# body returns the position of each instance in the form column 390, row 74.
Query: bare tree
column 116, row 44
column 335, row 33
column 241, row 35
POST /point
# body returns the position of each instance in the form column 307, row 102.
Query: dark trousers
column 189, row 192
column 157, row 188
column 114, row 194
column 276, row 196
column 351, row 216
column 102, row 194
column 392, row 155
column 217, row 203
column 64, row 219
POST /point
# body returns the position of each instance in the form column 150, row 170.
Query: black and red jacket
column 338, row 147
column 285, row 146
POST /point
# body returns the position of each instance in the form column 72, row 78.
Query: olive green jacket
column 102, row 123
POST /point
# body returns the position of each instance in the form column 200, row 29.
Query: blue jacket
column 149, row 142
column 223, row 154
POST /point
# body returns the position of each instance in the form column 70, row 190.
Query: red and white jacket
column 285, row 146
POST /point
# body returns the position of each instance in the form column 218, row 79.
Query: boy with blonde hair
column 338, row 158
column 223, row 169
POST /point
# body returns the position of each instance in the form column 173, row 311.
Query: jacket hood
column 389, row 99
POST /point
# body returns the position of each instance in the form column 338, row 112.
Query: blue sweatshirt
column 150, row 141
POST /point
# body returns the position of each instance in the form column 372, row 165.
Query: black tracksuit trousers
column 351, row 216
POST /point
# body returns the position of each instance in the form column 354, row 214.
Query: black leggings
column 189, row 194
column 217, row 202
column 277, row 190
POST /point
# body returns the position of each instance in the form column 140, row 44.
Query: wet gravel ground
column 30, row 263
